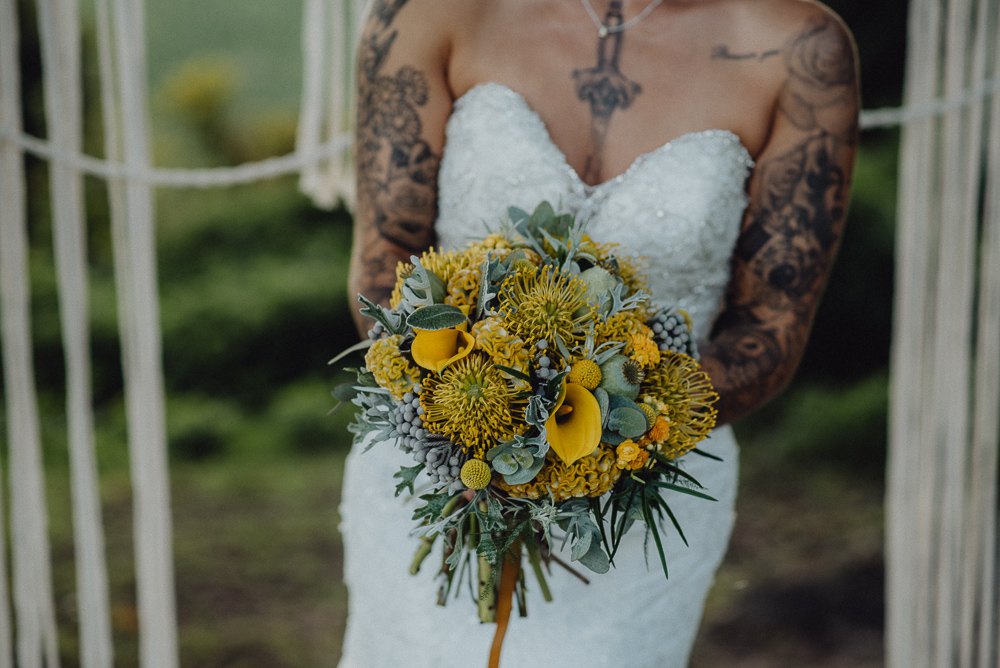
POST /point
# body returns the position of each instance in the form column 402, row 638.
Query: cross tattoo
column 605, row 88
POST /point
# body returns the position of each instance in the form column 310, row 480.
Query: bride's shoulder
column 432, row 20
column 790, row 20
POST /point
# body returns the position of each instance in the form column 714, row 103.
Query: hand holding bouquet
column 532, row 369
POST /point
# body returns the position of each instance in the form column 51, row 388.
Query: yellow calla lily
column 574, row 428
column 434, row 349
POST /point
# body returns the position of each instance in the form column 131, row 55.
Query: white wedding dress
column 680, row 208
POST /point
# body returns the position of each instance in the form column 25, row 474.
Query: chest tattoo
column 605, row 89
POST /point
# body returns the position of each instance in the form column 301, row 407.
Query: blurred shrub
column 199, row 427
column 199, row 91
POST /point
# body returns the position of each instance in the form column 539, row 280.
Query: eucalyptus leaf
column 595, row 559
column 436, row 316
column 505, row 463
column 602, row 399
column 581, row 546
column 498, row 450
column 527, row 474
column 523, row 458
column 541, row 217
column 628, row 422
column 518, row 217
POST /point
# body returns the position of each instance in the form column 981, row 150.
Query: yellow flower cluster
column 503, row 347
column 472, row 403
column 631, row 455
column 442, row 263
column 619, row 327
column 463, row 286
column 682, row 394
column 586, row 373
column 390, row 369
column 541, row 304
column 588, row 476
column 492, row 241
column 643, row 349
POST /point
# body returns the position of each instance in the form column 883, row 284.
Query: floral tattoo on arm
column 792, row 229
column 397, row 169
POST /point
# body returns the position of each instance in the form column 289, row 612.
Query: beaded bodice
column 679, row 207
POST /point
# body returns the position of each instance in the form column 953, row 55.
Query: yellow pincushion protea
column 390, row 369
column 588, row 476
column 472, row 403
column 540, row 305
column 682, row 393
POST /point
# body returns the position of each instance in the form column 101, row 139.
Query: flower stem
column 536, row 566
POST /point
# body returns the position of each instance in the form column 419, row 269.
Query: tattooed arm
column 403, row 104
column 798, row 197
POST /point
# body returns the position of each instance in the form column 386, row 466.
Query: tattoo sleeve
column 396, row 166
column 793, row 225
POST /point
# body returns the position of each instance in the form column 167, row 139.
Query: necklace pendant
column 602, row 32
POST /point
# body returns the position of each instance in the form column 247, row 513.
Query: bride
column 713, row 138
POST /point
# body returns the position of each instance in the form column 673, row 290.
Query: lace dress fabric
column 679, row 208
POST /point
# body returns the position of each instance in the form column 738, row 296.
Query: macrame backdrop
column 942, row 556
column 941, row 505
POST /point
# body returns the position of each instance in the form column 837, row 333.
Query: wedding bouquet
column 544, row 400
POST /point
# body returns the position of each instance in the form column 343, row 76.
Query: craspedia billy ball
column 586, row 373
column 476, row 474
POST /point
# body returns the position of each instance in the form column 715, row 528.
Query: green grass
column 257, row 556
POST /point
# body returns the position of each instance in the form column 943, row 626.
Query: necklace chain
column 604, row 30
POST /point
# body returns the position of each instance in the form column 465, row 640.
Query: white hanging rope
column 882, row 118
column 15, row 325
column 212, row 177
column 941, row 549
column 310, row 125
column 64, row 113
column 32, row 564
column 144, row 393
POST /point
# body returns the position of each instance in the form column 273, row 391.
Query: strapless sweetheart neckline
column 522, row 104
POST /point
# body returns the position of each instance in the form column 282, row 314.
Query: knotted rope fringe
column 942, row 472
column 23, row 441
column 61, row 56
column 328, row 82
column 135, row 268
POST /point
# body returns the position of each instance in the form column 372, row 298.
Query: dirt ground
column 258, row 568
